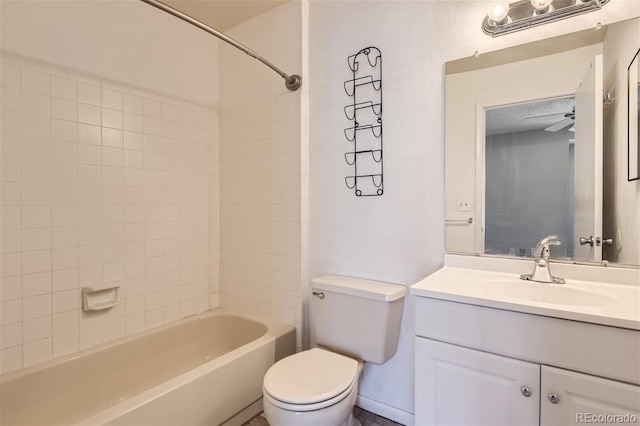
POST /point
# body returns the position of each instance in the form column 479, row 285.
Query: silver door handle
column 584, row 241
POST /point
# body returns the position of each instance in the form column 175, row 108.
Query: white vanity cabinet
column 461, row 386
column 477, row 365
column 570, row 398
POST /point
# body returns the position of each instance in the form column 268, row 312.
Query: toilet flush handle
column 319, row 294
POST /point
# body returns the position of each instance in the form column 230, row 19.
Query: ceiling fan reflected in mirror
column 565, row 119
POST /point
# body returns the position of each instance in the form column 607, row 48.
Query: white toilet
column 356, row 320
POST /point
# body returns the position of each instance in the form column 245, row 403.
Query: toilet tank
column 357, row 317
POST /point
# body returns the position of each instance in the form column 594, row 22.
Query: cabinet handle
column 525, row 391
column 553, row 398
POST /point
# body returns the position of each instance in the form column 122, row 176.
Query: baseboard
column 245, row 415
column 384, row 410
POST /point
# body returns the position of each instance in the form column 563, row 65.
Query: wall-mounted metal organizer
column 365, row 113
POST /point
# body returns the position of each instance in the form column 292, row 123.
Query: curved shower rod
column 293, row 82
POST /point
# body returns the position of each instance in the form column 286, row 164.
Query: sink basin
column 555, row 294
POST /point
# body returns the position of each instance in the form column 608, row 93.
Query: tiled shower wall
column 260, row 208
column 102, row 184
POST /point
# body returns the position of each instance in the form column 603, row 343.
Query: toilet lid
column 310, row 376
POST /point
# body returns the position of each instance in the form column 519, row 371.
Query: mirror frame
column 633, row 137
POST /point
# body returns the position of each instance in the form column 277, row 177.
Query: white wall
column 260, row 170
column 621, row 198
column 126, row 41
column 398, row 237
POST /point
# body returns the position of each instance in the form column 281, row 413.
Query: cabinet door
column 460, row 386
column 580, row 398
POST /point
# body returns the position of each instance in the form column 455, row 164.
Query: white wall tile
column 11, row 359
column 133, row 122
column 36, row 284
column 64, row 109
column 10, row 240
column 35, row 81
column 36, row 216
column 65, row 279
column 10, row 335
column 64, row 88
column 35, row 104
column 10, row 193
column 36, row 329
column 65, row 322
column 89, row 94
column 112, row 118
column 11, row 311
column 36, row 171
column 64, row 258
column 36, row 261
column 101, row 183
column 66, row 343
column 10, row 75
column 37, row 352
column 64, row 301
column 11, row 264
column 89, row 134
column 134, row 104
column 89, row 195
column 10, row 288
column 64, row 237
column 66, row 152
column 90, row 255
column 10, row 146
column 89, row 114
column 135, row 323
column 63, row 194
column 112, row 137
column 112, row 99
column 89, row 154
column 64, row 130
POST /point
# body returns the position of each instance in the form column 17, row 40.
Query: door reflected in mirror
column 529, row 176
column 634, row 119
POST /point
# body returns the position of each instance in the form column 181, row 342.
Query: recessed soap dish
column 98, row 300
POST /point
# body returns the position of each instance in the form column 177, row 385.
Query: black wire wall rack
column 365, row 113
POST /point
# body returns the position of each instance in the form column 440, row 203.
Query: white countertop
column 604, row 303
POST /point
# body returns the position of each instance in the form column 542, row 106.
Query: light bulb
column 498, row 11
column 542, row 6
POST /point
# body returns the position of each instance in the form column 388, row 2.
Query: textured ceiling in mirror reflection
column 527, row 116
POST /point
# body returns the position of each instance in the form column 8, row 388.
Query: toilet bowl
column 314, row 387
column 319, row 386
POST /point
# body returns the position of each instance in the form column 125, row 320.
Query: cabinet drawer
column 590, row 348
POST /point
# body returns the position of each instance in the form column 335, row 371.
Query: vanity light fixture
column 542, row 6
column 523, row 14
column 499, row 12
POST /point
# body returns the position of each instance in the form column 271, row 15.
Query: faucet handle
column 542, row 248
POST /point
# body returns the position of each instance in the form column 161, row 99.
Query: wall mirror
column 527, row 137
column 634, row 118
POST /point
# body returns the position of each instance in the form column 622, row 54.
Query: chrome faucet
column 541, row 272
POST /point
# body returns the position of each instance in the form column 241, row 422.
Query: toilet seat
column 311, row 380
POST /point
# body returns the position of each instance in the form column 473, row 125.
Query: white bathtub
column 201, row 370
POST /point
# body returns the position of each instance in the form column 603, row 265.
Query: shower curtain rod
column 293, row 82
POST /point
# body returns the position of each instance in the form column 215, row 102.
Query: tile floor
column 366, row 418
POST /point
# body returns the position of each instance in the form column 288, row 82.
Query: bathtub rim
column 273, row 329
